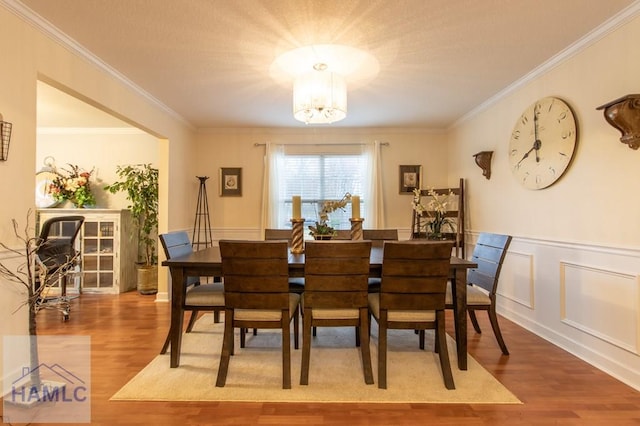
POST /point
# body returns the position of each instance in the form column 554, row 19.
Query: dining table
column 208, row 263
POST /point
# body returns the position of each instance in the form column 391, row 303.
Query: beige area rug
column 255, row 372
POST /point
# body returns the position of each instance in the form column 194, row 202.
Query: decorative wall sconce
column 483, row 160
column 624, row 115
column 5, row 138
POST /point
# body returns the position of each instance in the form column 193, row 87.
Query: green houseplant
column 140, row 183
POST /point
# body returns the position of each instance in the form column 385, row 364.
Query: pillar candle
column 355, row 207
column 297, row 207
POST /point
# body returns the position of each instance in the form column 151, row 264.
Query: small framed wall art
column 410, row 178
column 230, row 181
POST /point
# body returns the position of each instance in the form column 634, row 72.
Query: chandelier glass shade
column 319, row 96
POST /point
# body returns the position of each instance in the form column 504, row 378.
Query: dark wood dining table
column 207, row 263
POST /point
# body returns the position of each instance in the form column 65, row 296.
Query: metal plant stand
column 202, row 226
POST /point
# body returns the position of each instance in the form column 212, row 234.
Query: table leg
column 178, row 279
column 459, row 293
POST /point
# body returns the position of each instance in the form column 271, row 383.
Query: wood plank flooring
column 128, row 330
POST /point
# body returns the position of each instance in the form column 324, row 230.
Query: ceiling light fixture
column 319, row 96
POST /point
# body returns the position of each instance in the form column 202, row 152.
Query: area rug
column 335, row 375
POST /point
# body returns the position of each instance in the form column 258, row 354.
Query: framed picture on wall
column 230, row 181
column 410, row 178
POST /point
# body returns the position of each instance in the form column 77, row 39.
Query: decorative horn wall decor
column 5, row 138
column 624, row 115
column 483, row 160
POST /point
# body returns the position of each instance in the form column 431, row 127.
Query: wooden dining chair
column 412, row 297
column 296, row 284
column 199, row 296
column 335, row 295
column 489, row 254
column 256, row 281
column 342, row 234
column 377, row 238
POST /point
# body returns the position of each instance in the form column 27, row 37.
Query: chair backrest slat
column 256, row 274
column 278, row 234
column 176, row 244
column 336, row 274
column 489, row 254
column 415, row 274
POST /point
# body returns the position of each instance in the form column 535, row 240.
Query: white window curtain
column 291, row 170
column 374, row 208
column 273, row 164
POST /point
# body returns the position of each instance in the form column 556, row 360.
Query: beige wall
column 236, row 148
column 36, row 56
column 571, row 275
column 101, row 150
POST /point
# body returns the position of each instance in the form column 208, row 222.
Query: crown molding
column 48, row 29
column 90, row 131
column 606, row 28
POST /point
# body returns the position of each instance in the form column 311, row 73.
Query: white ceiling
column 209, row 60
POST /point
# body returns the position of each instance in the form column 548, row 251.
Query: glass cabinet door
column 98, row 254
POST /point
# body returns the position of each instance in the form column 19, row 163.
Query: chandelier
column 319, row 96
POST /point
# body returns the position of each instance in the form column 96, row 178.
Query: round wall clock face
column 542, row 143
column 44, row 198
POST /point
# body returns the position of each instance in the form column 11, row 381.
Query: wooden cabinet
column 108, row 251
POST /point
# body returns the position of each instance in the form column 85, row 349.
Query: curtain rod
column 320, row 144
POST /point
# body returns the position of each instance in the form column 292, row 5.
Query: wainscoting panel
column 601, row 302
column 516, row 278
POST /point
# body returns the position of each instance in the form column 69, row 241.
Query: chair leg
column 445, row 365
column 493, row 317
column 286, row 351
column 382, row 350
column 216, row 316
column 306, row 348
column 421, row 338
column 296, row 328
column 474, row 321
column 365, row 347
column 227, row 349
column 167, row 341
column 357, row 337
column 243, row 336
column 192, row 320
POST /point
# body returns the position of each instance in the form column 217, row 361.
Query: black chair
column 57, row 257
column 489, row 253
column 199, row 296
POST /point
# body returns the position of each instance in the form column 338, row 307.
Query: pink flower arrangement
column 75, row 187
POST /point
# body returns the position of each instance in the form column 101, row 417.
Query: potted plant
column 435, row 211
column 322, row 230
column 140, row 183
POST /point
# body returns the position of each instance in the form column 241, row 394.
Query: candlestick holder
column 356, row 228
column 297, row 236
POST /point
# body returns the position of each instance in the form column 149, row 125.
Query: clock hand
column 537, row 143
column 526, row 154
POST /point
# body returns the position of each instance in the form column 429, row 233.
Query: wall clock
column 542, row 143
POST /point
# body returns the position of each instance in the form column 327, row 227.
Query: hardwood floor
column 556, row 388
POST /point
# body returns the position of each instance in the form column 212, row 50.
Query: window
column 320, row 177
